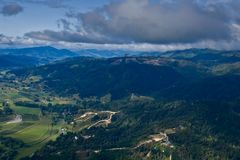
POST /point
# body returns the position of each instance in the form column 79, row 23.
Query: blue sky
column 121, row 24
column 40, row 16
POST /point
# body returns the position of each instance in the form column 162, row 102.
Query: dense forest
column 204, row 130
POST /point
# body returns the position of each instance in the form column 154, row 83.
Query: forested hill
column 12, row 61
column 160, row 77
column 118, row 108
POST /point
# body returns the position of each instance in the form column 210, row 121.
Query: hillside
column 159, row 77
column 12, row 61
column 182, row 106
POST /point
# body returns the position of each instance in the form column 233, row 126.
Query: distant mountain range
column 45, row 52
column 23, row 57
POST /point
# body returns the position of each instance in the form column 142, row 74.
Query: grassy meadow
column 35, row 130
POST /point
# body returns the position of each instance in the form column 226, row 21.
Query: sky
column 143, row 25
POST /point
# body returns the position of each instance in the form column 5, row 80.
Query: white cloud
column 144, row 25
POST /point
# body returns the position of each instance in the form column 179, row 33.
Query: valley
column 160, row 107
column 120, row 80
column 35, row 127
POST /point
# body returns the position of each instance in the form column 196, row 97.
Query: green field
column 33, row 133
column 35, row 130
column 25, row 110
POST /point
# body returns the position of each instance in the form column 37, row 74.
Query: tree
column 7, row 110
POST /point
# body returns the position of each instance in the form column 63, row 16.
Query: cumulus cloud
column 67, row 36
column 10, row 41
column 5, row 40
column 149, row 25
column 145, row 21
column 11, row 9
column 142, row 21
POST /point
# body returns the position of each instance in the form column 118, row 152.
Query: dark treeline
column 9, row 147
